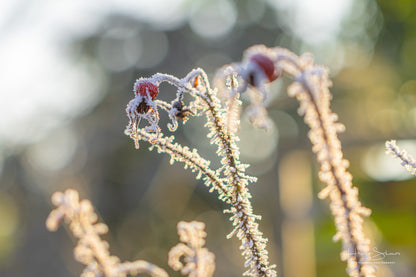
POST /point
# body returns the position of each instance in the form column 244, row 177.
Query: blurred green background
column 66, row 74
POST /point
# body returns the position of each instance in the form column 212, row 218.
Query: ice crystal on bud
column 91, row 250
column 198, row 261
column 178, row 111
column 143, row 107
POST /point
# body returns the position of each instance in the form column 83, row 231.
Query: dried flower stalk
column 406, row 159
column 198, row 261
column 91, row 250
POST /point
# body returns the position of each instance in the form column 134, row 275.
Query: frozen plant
column 229, row 180
column 93, row 252
column 260, row 66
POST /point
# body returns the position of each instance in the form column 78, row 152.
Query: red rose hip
column 144, row 87
column 265, row 64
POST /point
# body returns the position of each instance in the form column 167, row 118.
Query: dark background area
column 67, row 73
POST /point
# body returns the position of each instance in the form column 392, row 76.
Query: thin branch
column 406, row 159
column 191, row 158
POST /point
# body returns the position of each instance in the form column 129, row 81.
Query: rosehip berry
column 143, row 87
column 267, row 65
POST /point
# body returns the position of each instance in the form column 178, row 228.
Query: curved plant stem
column 311, row 88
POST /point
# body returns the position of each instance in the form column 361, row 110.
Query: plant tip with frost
column 143, row 106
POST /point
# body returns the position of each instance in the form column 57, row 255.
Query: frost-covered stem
column 98, row 248
column 336, row 174
column 407, row 160
column 310, row 87
column 140, row 267
column 253, row 244
column 90, row 250
column 190, row 158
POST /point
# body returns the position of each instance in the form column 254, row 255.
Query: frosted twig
column 406, row 159
column 246, row 229
column 311, row 88
column 190, row 158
